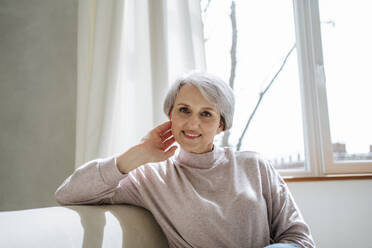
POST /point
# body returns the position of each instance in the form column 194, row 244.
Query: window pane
column 347, row 39
column 265, row 36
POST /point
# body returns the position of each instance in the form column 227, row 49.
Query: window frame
column 317, row 138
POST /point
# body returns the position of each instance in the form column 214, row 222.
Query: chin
column 193, row 149
column 188, row 147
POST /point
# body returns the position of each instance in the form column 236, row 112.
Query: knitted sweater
column 217, row 199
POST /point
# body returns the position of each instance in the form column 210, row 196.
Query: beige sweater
column 217, row 199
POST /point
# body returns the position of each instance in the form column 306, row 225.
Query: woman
column 205, row 196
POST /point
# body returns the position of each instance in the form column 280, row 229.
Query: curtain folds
column 129, row 51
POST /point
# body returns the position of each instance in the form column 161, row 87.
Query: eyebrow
column 209, row 108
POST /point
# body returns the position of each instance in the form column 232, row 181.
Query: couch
column 81, row 226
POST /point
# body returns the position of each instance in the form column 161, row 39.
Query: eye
column 206, row 114
column 184, row 110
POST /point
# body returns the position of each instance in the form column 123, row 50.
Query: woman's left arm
column 286, row 222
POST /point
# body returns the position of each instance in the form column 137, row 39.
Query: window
column 348, row 83
column 297, row 114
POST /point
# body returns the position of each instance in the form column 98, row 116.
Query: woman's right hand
column 152, row 148
column 157, row 141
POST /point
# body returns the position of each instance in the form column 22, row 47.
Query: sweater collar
column 199, row 160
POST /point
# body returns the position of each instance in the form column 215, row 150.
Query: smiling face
column 195, row 120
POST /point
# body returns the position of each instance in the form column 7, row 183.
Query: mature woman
column 205, row 196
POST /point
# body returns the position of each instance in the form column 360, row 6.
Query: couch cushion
column 81, row 226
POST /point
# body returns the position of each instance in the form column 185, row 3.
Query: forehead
column 190, row 95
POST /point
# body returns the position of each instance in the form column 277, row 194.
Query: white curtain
column 129, row 51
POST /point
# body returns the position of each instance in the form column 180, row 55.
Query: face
column 195, row 120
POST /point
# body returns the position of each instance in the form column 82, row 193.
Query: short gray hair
column 212, row 88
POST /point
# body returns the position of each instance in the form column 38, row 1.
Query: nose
column 193, row 121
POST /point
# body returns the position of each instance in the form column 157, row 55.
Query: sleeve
column 286, row 222
column 98, row 182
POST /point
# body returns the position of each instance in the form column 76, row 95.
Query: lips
column 191, row 135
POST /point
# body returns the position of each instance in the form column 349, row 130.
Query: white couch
column 81, row 226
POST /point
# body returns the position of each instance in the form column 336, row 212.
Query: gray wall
column 38, row 42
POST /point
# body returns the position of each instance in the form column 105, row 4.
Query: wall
column 38, row 42
column 339, row 212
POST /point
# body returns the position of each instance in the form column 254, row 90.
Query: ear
column 220, row 128
column 170, row 114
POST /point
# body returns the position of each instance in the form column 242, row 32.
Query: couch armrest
column 81, row 226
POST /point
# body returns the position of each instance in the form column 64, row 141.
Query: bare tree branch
column 226, row 134
column 262, row 95
column 204, row 14
column 233, row 44
column 206, row 6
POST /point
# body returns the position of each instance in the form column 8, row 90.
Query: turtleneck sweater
column 220, row 198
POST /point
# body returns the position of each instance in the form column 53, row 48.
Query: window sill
column 327, row 178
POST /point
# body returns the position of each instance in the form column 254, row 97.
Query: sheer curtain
column 129, row 51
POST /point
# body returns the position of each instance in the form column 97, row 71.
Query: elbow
column 60, row 197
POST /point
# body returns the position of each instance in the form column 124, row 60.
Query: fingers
column 163, row 127
column 167, row 143
column 166, row 135
column 171, row 151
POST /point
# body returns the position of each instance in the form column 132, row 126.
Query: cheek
column 212, row 129
column 211, row 124
column 176, row 125
column 176, row 121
